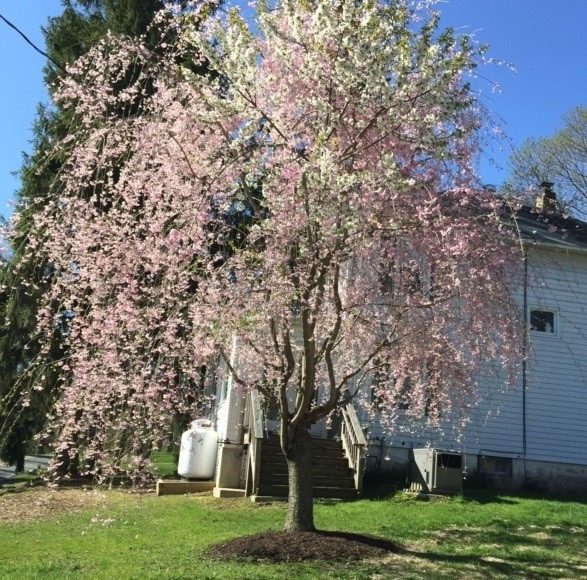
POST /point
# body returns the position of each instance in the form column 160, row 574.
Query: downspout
column 525, row 364
column 525, row 348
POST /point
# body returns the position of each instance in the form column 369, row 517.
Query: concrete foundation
column 557, row 477
column 228, row 492
column 181, row 486
column 229, row 472
column 508, row 473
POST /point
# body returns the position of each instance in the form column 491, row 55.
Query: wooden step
column 316, row 451
column 181, row 486
column 276, row 460
column 317, row 481
column 331, row 475
column 326, row 453
column 326, row 444
column 322, row 470
column 316, row 443
column 334, row 492
column 328, row 462
column 228, row 492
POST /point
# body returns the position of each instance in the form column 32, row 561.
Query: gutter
column 552, row 246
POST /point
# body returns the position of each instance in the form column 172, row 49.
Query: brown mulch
column 301, row 546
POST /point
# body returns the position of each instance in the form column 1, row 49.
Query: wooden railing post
column 354, row 444
column 254, row 419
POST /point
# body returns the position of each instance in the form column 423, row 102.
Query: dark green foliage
column 23, row 279
column 84, row 22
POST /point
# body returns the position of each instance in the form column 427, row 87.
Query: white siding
column 557, row 373
column 556, row 395
column 496, row 426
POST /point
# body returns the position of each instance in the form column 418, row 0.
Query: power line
column 29, row 41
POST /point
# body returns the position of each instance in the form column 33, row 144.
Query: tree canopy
column 560, row 159
column 345, row 131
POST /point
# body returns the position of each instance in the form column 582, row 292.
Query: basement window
column 499, row 466
column 542, row 321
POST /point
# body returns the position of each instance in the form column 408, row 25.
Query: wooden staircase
column 332, row 476
column 338, row 466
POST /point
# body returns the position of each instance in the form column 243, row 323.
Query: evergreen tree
column 24, row 273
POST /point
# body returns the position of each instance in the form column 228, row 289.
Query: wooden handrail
column 359, row 436
column 354, row 443
column 254, row 424
column 257, row 414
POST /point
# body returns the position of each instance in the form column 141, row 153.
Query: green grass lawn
column 113, row 534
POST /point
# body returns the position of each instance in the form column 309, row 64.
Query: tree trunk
column 13, row 449
column 19, row 463
column 300, row 504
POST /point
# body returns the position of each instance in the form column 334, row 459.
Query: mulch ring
column 302, row 546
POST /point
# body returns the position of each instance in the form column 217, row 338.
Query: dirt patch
column 302, row 546
column 42, row 503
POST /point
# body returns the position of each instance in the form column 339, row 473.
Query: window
column 381, row 375
column 403, row 398
column 542, row 321
column 386, row 281
column 399, row 281
column 384, row 391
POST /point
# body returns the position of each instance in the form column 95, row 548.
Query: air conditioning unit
column 436, row 471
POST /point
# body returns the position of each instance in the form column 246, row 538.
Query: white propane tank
column 198, row 451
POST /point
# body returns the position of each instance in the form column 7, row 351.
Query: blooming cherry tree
column 313, row 196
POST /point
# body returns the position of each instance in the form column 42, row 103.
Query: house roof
column 551, row 229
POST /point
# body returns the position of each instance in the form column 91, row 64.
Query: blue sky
column 544, row 39
column 22, row 86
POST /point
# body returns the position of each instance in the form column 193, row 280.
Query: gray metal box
column 436, row 471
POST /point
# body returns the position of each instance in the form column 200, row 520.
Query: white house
column 535, row 434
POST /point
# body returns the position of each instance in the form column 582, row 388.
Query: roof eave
column 557, row 247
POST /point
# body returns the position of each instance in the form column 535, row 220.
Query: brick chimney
column 546, row 201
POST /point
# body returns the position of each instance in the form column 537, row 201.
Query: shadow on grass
column 383, row 486
column 485, row 495
column 20, row 482
column 524, row 551
column 521, row 552
column 381, row 490
column 496, row 565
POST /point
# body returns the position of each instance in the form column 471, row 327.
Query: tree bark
column 16, row 449
column 19, row 462
column 300, row 505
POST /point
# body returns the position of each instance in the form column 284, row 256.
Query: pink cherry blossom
column 372, row 257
